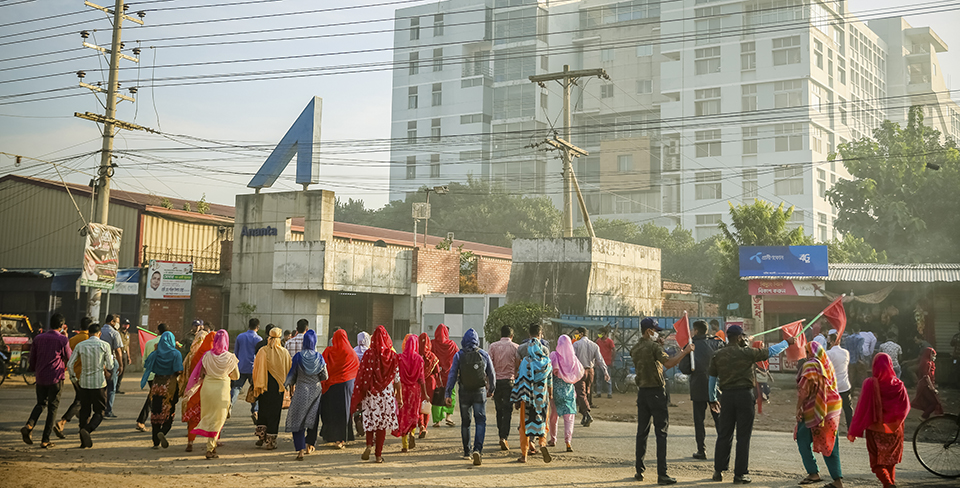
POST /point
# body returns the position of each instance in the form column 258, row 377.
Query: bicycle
column 936, row 443
column 8, row 368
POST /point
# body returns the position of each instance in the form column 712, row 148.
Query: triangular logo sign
column 302, row 139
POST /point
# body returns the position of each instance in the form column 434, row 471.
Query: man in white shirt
column 821, row 338
column 869, row 343
column 840, row 358
column 96, row 359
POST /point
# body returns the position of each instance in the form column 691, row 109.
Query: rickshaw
column 16, row 337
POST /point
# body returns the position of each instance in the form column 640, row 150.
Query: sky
column 217, row 131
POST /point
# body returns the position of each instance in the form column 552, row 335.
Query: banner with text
column 169, row 279
column 782, row 261
column 793, row 288
column 101, row 256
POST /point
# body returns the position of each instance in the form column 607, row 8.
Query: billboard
column 782, row 261
column 169, row 279
column 101, row 256
column 795, row 288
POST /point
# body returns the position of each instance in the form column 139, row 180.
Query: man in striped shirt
column 295, row 343
column 96, row 357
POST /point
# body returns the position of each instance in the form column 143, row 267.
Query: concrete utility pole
column 110, row 124
column 567, row 79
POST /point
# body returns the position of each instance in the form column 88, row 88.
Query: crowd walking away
column 344, row 393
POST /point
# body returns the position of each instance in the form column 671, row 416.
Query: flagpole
column 815, row 319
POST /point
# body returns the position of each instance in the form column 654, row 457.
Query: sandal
column 449, row 422
column 189, row 448
column 212, row 455
column 809, row 480
column 830, row 485
column 366, row 454
column 522, row 459
column 546, row 454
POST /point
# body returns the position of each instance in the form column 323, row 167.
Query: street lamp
column 439, row 190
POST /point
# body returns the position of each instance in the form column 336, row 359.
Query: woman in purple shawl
column 567, row 370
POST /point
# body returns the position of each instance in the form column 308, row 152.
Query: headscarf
column 202, row 343
column 308, row 360
column 378, row 368
column 363, row 343
column 411, row 362
column 927, row 366
column 221, row 342
column 531, row 384
column 218, row 361
column 826, row 403
column 165, row 360
column 272, row 360
column 445, row 349
column 884, row 403
column 564, row 361
column 342, row 362
column 430, row 361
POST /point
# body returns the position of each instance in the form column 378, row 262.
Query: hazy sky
column 253, row 115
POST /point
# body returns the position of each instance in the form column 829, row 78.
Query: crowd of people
column 370, row 389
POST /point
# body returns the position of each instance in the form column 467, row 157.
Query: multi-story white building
column 708, row 102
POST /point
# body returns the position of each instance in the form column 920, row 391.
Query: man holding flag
column 650, row 360
column 696, row 365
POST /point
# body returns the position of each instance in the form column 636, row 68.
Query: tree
column 518, row 315
column 897, row 200
column 352, row 212
column 853, row 249
column 203, row 206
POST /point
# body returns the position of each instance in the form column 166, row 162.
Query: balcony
column 476, row 69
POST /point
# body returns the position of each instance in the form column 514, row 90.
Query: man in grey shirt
column 111, row 336
column 588, row 352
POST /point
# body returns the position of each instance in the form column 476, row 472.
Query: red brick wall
column 207, row 305
column 169, row 312
column 437, row 268
column 493, row 274
column 383, row 311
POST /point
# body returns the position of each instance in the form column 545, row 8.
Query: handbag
column 425, row 407
column 250, row 398
column 439, row 397
column 287, row 397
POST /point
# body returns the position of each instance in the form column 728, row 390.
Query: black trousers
column 271, row 406
column 847, row 407
column 93, row 403
column 48, row 396
column 74, row 409
column 145, row 409
column 501, row 400
column 699, row 415
column 652, row 409
column 737, row 412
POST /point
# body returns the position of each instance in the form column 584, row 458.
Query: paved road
column 603, row 457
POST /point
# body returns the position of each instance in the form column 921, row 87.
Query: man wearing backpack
column 478, row 380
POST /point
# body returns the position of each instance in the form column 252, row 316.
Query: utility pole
column 110, row 123
column 567, row 79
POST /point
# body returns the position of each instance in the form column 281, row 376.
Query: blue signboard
column 783, row 261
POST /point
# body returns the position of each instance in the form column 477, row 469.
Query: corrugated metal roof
column 883, row 273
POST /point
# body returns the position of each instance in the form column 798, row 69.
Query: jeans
column 805, row 445
column 93, row 402
column 699, row 415
column 652, row 409
column 475, row 400
column 48, row 396
column 737, row 412
column 237, row 385
column 112, row 389
column 847, row 407
column 501, row 400
column 602, row 385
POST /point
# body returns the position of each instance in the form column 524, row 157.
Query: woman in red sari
column 445, row 349
column 342, row 367
column 927, row 399
column 202, row 343
column 431, row 376
column 879, row 417
column 412, row 390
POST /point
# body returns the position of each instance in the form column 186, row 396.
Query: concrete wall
column 587, row 276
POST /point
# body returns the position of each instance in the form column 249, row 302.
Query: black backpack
column 473, row 370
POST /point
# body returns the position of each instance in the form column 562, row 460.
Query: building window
column 708, row 143
column 412, row 132
column 708, row 185
column 788, row 180
column 748, row 55
column 473, row 119
column 414, row 63
column 750, row 140
column 816, row 139
column 606, row 91
column 438, row 59
column 625, row 163
column 788, row 137
column 796, row 220
column 708, row 30
column 607, row 55
column 707, row 226
column 707, row 101
column 644, row 50
column 644, row 87
column 842, row 70
column 471, row 155
column 749, row 101
column 816, row 97
column 437, row 25
column 437, row 95
column 787, row 94
column 750, row 186
column 818, row 53
column 434, row 165
column 415, row 28
column 411, row 167
column 412, row 97
column 786, row 50
column 708, row 60
column 544, row 100
column 822, row 189
column 435, row 130
column 545, row 63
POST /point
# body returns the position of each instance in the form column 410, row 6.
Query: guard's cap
column 649, row 323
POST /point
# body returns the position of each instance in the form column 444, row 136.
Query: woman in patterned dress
column 567, row 371
column 190, row 411
column 531, row 394
column 818, row 416
column 412, row 387
column 165, row 363
column 377, row 391
column 306, row 373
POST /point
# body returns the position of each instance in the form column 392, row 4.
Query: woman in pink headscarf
column 568, row 370
column 412, row 390
column 879, row 417
column 213, row 375
column 927, row 399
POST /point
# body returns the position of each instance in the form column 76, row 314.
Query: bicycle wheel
column 28, row 376
column 937, row 445
column 4, row 371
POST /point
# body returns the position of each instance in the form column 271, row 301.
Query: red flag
column 682, row 327
column 836, row 315
column 796, row 350
column 144, row 336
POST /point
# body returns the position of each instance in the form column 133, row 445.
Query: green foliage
column 895, row 201
column 352, row 212
column 518, row 315
column 186, row 206
column 853, row 249
column 165, row 203
column 202, row 206
column 245, row 310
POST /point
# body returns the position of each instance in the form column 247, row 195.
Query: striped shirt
column 96, row 355
column 295, row 344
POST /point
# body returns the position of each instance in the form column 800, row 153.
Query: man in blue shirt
column 475, row 387
column 245, row 349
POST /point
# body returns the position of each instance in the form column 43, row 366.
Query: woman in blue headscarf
column 165, row 363
column 306, row 373
column 531, row 394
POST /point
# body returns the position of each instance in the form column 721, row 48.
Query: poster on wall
column 101, row 256
column 169, row 279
